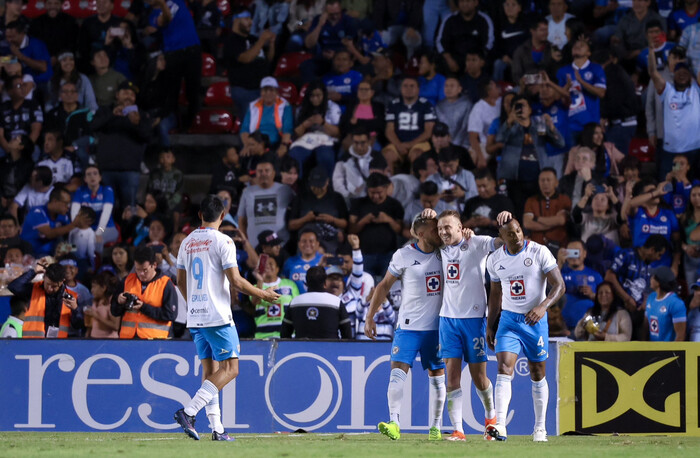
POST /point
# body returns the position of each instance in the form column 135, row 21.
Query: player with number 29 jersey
column 205, row 254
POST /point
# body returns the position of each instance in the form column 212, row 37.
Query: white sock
column 214, row 414
column 437, row 388
column 395, row 393
column 503, row 393
column 486, row 397
column 202, row 398
column 540, row 397
column 454, row 409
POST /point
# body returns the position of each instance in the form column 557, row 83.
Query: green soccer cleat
column 390, row 430
column 434, row 434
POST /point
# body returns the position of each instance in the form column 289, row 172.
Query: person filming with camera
column 147, row 300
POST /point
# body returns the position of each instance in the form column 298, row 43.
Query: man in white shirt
column 35, row 193
column 519, row 274
column 482, row 115
column 556, row 23
column 206, row 266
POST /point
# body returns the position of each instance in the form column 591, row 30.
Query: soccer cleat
column 390, row 430
column 456, row 436
column 498, row 432
column 222, row 437
column 489, row 421
column 187, row 423
column 434, row 434
column 540, row 435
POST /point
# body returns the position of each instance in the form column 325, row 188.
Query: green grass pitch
column 97, row 445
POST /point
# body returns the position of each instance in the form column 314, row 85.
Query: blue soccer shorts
column 218, row 343
column 463, row 337
column 407, row 344
column 514, row 334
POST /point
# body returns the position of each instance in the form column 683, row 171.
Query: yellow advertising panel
column 629, row 388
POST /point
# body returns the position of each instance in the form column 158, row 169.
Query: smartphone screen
column 262, row 262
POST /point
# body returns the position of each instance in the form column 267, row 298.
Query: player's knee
column 505, row 368
column 230, row 368
column 537, row 372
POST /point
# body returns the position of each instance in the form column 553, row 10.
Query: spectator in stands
column 183, row 53
column 119, row 261
column 691, row 239
column 105, row 80
column 399, row 21
column 574, row 184
column 33, row 194
column 270, row 244
column 606, row 155
column 19, row 115
column 654, row 107
column 454, row 111
column 455, row 184
column 317, row 128
column 613, row 321
column 30, row 52
column 534, row 55
column 94, row 30
column 482, row 115
column 681, row 18
column 431, row 83
column 513, row 32
column 264, row 204
column 269, row 316
column 12, row 328
column 693, row 322
column 316, row 314
column 247, row 59
column 52, row 311
column 409, row 125
column 296, row 267
column 320, row 208
column 665, row 312
column 154, row 97
column 269, row 15
column 128, row 56
column 657, row 38
column 224, row 174
column 122, row 135
column 167, row 180
column 475, row 76
column 58, row 30
column 467, row 28
column 554, row 103
column 598, row 212
column 12, row 11
column 581, row 282
column 69, row 117
column 480, row 211
column 99, row 321
column 384, row 77
column 350, row 176
column 271, row 115
column 690, row 40
column 15, row 168
column 72, row 283
column 9, row 235
column 55, row 158
column 289, row 172
column 207, row 20
column 556, row 23
column 100, row 198
column 150, row 315
column 494, row 148
column 66, row 72
column 545, row 214
column 227, row 197
column 428, row 197
column 341, row 83
column 377, row 220
column 630, row 37
column 46, row 224
column 678, row 177
column 301, row 15
column 364, row 113
column 441, row 140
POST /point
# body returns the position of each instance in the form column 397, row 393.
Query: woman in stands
column 364, row 112
column 691, row 236
column 602, row 216
column 607, row 157
column 100, row 198
column 119, row 261
column 138, row 219
column 613, row 321
column 65, row 71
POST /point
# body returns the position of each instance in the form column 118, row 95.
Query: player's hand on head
column 504, row 217
column 428, row 213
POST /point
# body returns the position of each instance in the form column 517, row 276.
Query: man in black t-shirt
column 19, row 116
column 247, row 59
column 480, row 211
column 377, row 219
column 467, row 29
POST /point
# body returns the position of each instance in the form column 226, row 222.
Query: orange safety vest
column 138, row 324
column 256, row 113
column 34, row 319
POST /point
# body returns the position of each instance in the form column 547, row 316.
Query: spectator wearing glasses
column 19, row 115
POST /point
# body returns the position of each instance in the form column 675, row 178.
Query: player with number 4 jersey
column 206, row 268
column 519, row 274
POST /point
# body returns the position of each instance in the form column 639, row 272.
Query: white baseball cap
column 269, row 81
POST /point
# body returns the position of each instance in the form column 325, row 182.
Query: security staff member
column 52, row 308
column 316, row 314
column 151, row 314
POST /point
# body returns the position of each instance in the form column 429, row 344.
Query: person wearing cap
column 665, row 312
column 271, row 115
column 455, row 184
column 270, row 243
column 296, row 267
column 83, row 294
column 316, row 314
column 654, row 107
column 681, row 107
column 320, row 208
column 247, row 59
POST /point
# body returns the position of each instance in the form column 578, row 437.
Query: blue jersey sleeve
column 677, row 310
column 599, row 74
column 495, row 125
column 108, row 195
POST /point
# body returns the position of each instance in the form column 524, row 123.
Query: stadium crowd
column 580, row 117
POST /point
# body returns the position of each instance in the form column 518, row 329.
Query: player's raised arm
column 378, row 298
column 555, row 280
column 244, row 286
column 494, row 311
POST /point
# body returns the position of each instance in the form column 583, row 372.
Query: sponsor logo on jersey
column 197, row 246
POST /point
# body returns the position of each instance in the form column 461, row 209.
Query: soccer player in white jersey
column 206, row 265
column 419, row 269
column 519, row 274
column 463, row 315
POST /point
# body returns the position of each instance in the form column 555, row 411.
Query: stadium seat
column 34, row 8
column 208, row 65
column 640, row 148
column 289, row 91
column 121, row 7
column 289, row 63
column 218, row 95
column 213, row 121
column 80, row 9
column 224, row 7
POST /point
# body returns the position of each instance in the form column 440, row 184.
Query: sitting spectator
column 604, row 215
column 73, row 122
column 475, row 77
column 613, row 322
column 455, row 184
column 19, row 115
column 482, row 115
column 480, row 211
column 301, row 15
column 431, row 84
column 15, row 168
column 264, row 204
column 514, row 32
column 342, row 82
column 584, row 173
column 226, row 173
column 257, row 145
column 82, row 239
column 365, row 113
column 557, row 23
column 377, row 220
column 442, row 140
column 546, row 213
column 10, row 237
column 296, row 267
column 271, row 115
column 269, row 316
column 320, row 208
column 468, row 27
column 425, row 166
column 94, row 30
column 554, row 103
column 53, row 310
column 409, row 125
column 45, row 224
column 30, row 52
column 137, row 218
column 167, row 180
column 399, row 22
column 58, row 30
column 99, row 321
column 681, row 18
column 607, row 156
column 630, row 37
column 384, row 77
column 120, row 261
column 270, row 244
column 316, row 314
column 534, row 55
column 428, row 197
column 67, row 72
column 12, row 328
column 678, row 177
column 665, row 312
column 247, row 59
column 56, row 160
column 656, row 37
column 105, row 81
column 581, row 282
column 317, row 128
column 691, row 239
column 100, row 198
column 350, row 176
column 454, row 111
column 33, row 194
column 289, row 173
column 226, row 196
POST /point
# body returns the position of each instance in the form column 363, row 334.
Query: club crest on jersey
column 463, row 247
column 517, row 289
column 312, row 313
column 452, row 271
column 654, row 325
column 433, row 284
column 274, row 311
column 528, row 262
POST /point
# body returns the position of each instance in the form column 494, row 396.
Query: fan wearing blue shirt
column 342, row 82
column 682, row 18
column 29, row 51
column 431, row 83
column 44, row 225
column 295, row 267
column 665, row 311
column 581, row 282
column 661, row 46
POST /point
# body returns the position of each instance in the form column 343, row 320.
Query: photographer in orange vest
column 147, row 301
column 52, row 308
